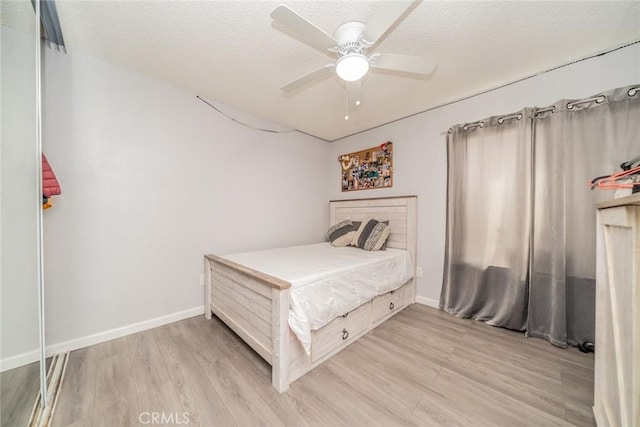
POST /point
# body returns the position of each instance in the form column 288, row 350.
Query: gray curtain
column 521, row 220
column 573, row 144
column 488, row 220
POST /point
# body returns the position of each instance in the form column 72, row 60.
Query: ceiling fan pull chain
column 346, row 105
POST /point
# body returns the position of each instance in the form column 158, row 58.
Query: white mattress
column 326, row 281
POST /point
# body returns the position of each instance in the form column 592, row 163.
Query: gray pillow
column 371, row 235
column 356, row 226
column 341, row 234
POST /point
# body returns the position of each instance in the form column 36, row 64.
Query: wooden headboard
column 401, row 212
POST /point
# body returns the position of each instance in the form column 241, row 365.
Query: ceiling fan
column 349, row 43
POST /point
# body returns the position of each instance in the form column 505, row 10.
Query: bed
column 259, row 296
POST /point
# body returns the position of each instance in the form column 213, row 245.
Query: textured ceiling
column 233, row 52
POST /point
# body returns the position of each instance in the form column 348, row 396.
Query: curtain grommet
column 517, row 116
column 472, row 125
column 545, row 110
column 597, row 99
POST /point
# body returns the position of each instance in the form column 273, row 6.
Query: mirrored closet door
column 21, row 358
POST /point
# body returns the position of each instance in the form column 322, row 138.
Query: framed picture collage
column 368, row 169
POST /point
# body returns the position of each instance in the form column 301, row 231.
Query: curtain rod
column 598, row 99
column 517, row 116
column 544, row 110
column 537, row 111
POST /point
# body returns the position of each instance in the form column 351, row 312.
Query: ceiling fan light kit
column 352, row 63
column 352, row 67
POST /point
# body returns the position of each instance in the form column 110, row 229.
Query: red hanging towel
column 50, row 185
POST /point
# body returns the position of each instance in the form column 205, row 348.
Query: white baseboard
column 78, row 343
column 428, row 301
column 18, row 360
column 75, row 344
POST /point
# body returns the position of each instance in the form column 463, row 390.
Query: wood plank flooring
column 423, row 367
column 19, row 390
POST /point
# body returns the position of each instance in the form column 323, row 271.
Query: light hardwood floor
column 423, row 367
column 19, row 390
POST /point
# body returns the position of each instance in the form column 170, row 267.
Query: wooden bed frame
column 256, row 306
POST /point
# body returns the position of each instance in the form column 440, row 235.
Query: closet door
column 20, row 354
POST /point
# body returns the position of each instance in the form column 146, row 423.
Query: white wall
column 420, row 161
column 152, row 179
column 19, row 203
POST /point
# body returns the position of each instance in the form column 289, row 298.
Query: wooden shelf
column 633, row 199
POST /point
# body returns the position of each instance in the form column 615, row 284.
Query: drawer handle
column 345, row 315
column 392, row 292
column 345, row 334
column 391, row 306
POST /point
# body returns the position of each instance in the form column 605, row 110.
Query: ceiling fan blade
column 386, row 14
column 406, row 63
column 304, row 28
column 314, row 76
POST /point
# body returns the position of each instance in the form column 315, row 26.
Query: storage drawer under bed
column 340, row 331
column 390, row 302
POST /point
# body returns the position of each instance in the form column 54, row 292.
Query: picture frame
column 367, row 169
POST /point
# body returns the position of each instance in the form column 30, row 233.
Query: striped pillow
column 371, row 235
column 341, row 234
